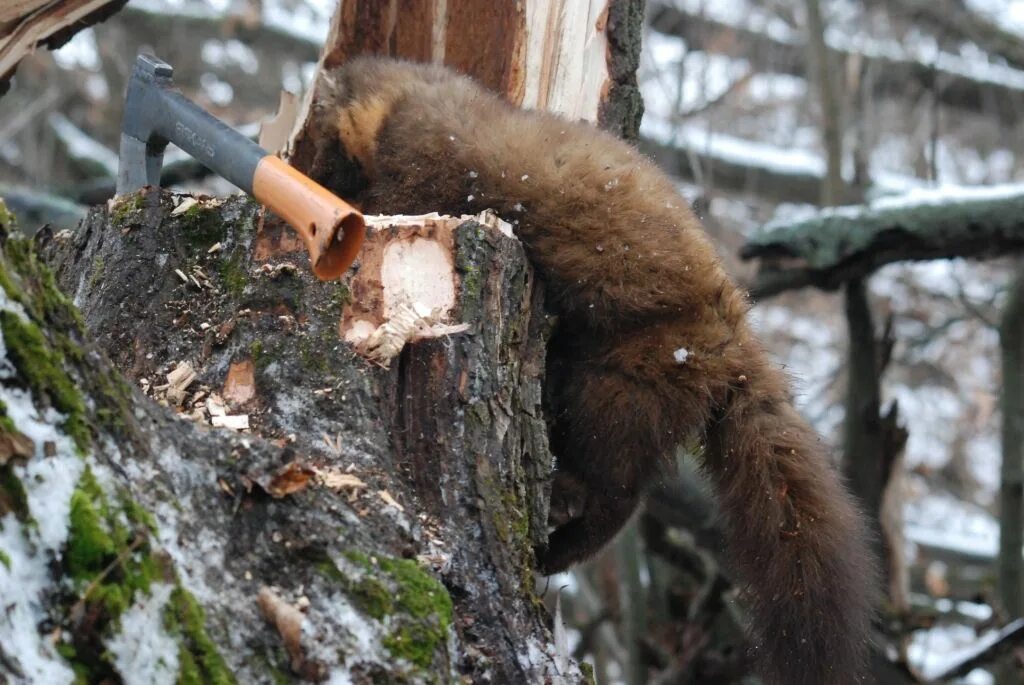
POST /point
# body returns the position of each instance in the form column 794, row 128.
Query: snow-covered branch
column 840, row 244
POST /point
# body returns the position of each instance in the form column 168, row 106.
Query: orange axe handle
column 332, row 229
column 156, row 113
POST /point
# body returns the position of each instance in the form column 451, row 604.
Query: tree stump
column 374, row 522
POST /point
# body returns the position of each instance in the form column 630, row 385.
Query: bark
column 375, row 523
column 26, row 25
column 848, row 243
column 830, row 101
column 1011, row 485
column 863, row 449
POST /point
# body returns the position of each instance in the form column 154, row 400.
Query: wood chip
column 287, row 620
column 236, row 422
column 389, row 500
column 178, row 381
column 215, row 405
column 290, row 478
column 340, row 481
column 186, row 204
column 240, row 384
column 15, row 444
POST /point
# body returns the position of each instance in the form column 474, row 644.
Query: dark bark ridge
column 420, row 571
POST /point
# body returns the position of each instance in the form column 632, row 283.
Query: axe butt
column 332, row 229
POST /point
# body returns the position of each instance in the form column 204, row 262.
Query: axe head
column 155, row 113
column 142, row 147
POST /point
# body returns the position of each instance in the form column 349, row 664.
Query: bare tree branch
column 895, row 78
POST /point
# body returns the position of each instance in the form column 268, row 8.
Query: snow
column 143, row 652
column 935, row 196
column 80, row 145
column 942, row 521
column 30, row 549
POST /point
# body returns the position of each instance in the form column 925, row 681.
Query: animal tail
column 796, row 541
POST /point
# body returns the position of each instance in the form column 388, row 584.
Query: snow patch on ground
column 144, row 653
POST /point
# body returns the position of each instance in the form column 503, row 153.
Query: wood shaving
column 186, row 204
column 389, row 500
column 236, row 422
column 339, row 481
column 287, row 620
column 409, row 323
column 274, row 271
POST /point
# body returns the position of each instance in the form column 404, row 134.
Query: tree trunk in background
column 828, row 81
column 1011, row 489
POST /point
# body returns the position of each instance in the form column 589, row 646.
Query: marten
column 652, row 347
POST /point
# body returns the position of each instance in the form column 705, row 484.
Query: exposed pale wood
column 553, row 56
column 48, row 24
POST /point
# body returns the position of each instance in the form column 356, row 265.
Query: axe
column 156, row 113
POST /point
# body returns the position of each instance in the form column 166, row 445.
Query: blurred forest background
column 923, row 106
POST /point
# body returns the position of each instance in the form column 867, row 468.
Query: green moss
column 200, row 661
column 416, row 605
column 38, row 291
column 588, row 673
column 256, row 351
column 471, row 281
column 372, row 597
column 90, row 545
column 108, row 558
column 41, row 368
column 202, row 226
column 5, row 559
column 96, row 274
column 359, row 559
column 342, row 296
column 83, row 674
column 127, row 206
column 6, row 424
column 233, row 275
column 7, row 220
column 423, row 612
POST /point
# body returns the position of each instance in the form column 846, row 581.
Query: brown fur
column 634, row 279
